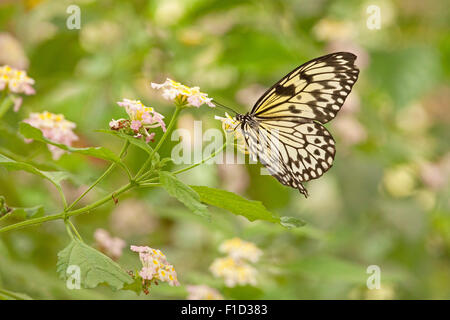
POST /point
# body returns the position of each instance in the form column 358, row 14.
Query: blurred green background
column 385, row 202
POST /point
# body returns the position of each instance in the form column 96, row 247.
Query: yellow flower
column 231, row 125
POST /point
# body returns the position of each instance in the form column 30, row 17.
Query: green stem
column 110, row 168
column 63, row 198
column 145, row 182
column 69, row 232
column 146, row 185
column 6, row 104
column 203, row 161
column 64, row 215
column 10, row 294
column 160, row 142
column 72, row 226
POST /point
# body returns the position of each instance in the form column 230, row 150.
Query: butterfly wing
column 292, row 152
column 316, row 90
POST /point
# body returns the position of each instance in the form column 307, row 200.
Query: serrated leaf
column 135, row 286
column 31, row 132
column 251, row 209
column 95, row 267
column 184, row 193
column 55, row 177
column 25, row 213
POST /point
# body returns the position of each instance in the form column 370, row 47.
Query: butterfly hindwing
column 292, row 152
column 316, row 90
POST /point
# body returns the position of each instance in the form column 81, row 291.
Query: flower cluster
column 234, row 272
column 183, row 95
column 239, row 249
column 203, row 292
column 155, row 267
column 15, row 81
column 142, row 119
column 111, row 246
column 231, row 125
column 234, row 269
column 54, row 127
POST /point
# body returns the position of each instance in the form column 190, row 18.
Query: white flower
column 203, row 292
column 240, row 250
column 234, row 272
column 175, row 91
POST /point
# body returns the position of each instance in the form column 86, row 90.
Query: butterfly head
column 240, row 117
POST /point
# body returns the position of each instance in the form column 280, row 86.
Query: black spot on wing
column 293, row 109
column 285, row 91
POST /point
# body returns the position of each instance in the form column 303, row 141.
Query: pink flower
column 17, row 103
column 135, row 125
column 54, row 127
column 155, row 266
column 16, row 81
column 142, row 119
column 111, row 246
column 150, row 137
column 140, row 249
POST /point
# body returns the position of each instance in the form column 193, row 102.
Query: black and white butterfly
column 284, row 128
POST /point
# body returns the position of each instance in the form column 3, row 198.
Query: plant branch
column 110, row 168
column 64, row 215
column 160, row 142
column 5, row 105
column 203, row 161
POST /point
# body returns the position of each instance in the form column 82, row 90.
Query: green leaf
column 95, row 267
column 31, row 132
column 291, row 222
column 10, row 295
column 55, row 177
column 25, row 213
column 134, row 141
column 251, row 209
column 329, row 268
column 184, row 193
column 135, row 286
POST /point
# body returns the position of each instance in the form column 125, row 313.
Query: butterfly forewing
column 316, row 90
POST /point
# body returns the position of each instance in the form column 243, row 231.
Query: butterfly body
column 284, row 129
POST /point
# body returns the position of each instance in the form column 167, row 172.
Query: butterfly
column 284, row 129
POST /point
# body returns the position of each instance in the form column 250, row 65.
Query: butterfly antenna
column 220, row 105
